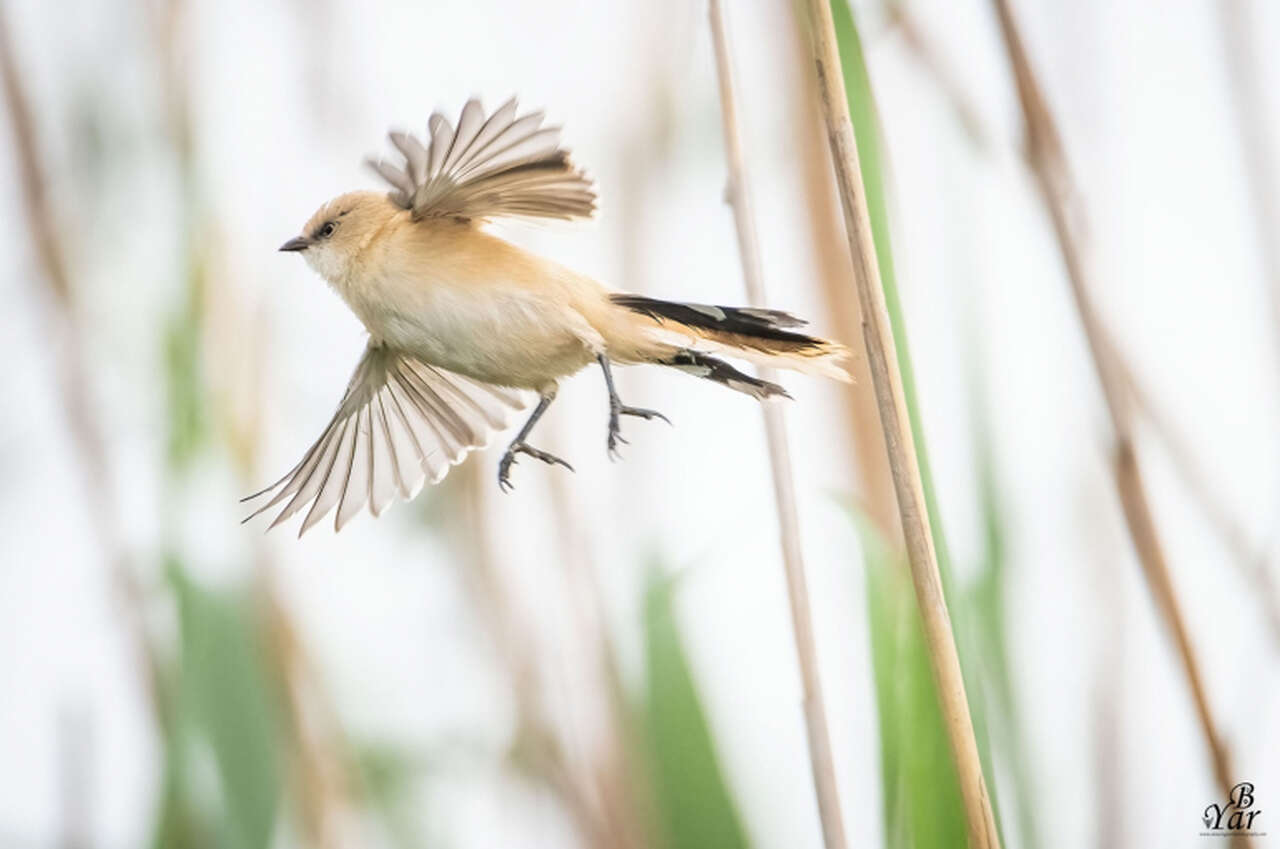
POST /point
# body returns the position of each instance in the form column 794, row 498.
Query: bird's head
column 340, row 230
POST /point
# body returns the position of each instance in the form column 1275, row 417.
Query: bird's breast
column 508, row 335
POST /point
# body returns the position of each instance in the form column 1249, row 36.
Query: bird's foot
column 509, row 458
column 616, row 410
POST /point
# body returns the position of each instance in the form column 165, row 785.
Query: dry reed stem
column 834, row 267
column 1053, row 176
column 738, row 195
column 73, row 381
column 899, row 442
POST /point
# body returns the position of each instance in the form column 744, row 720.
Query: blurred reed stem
column 621, row 798
column 935, row 65
column 1053, row 176
column 780, row 461
column 1257, row 143
column 738, row 195
column 1247, row 556
column 895, row 422
column 322, row 777
column 321, row 772
column 537, row 747
column 73, row 380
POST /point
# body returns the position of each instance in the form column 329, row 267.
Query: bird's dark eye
column 327, row 230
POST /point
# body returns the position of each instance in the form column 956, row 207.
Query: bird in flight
column 462, row 323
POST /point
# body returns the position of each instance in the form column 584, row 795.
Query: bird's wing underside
column 502, row 165
column 400, row 422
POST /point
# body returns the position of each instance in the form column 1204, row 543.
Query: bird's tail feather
column 761, row 336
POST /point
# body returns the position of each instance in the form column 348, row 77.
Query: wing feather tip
column 485, row 147
column 313, row 519
column 323, row 480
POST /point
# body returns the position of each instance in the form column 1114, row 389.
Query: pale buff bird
column 460, row 320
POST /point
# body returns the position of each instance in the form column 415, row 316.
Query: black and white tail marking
column 708, row 367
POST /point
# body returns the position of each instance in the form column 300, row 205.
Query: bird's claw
column 509, row 459
column 616, row 411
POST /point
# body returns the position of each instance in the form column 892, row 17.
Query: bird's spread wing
column 502, row 165
column 400, row 422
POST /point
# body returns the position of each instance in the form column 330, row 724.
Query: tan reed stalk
column 1049, row 165
column 820, row 758
column 887, row 385
column 834, row 267
column 86, row 430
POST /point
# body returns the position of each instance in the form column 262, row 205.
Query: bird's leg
column 618, row 409
column 519, row 446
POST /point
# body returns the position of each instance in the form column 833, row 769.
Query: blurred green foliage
column 695, row 807
column 922, row 803
column 185, row 382
column 224, row 782
column 387, row 773
column 221, row 703
column 225, row 721
column 986, row 600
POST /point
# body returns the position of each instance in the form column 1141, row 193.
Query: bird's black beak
column 297, row 243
